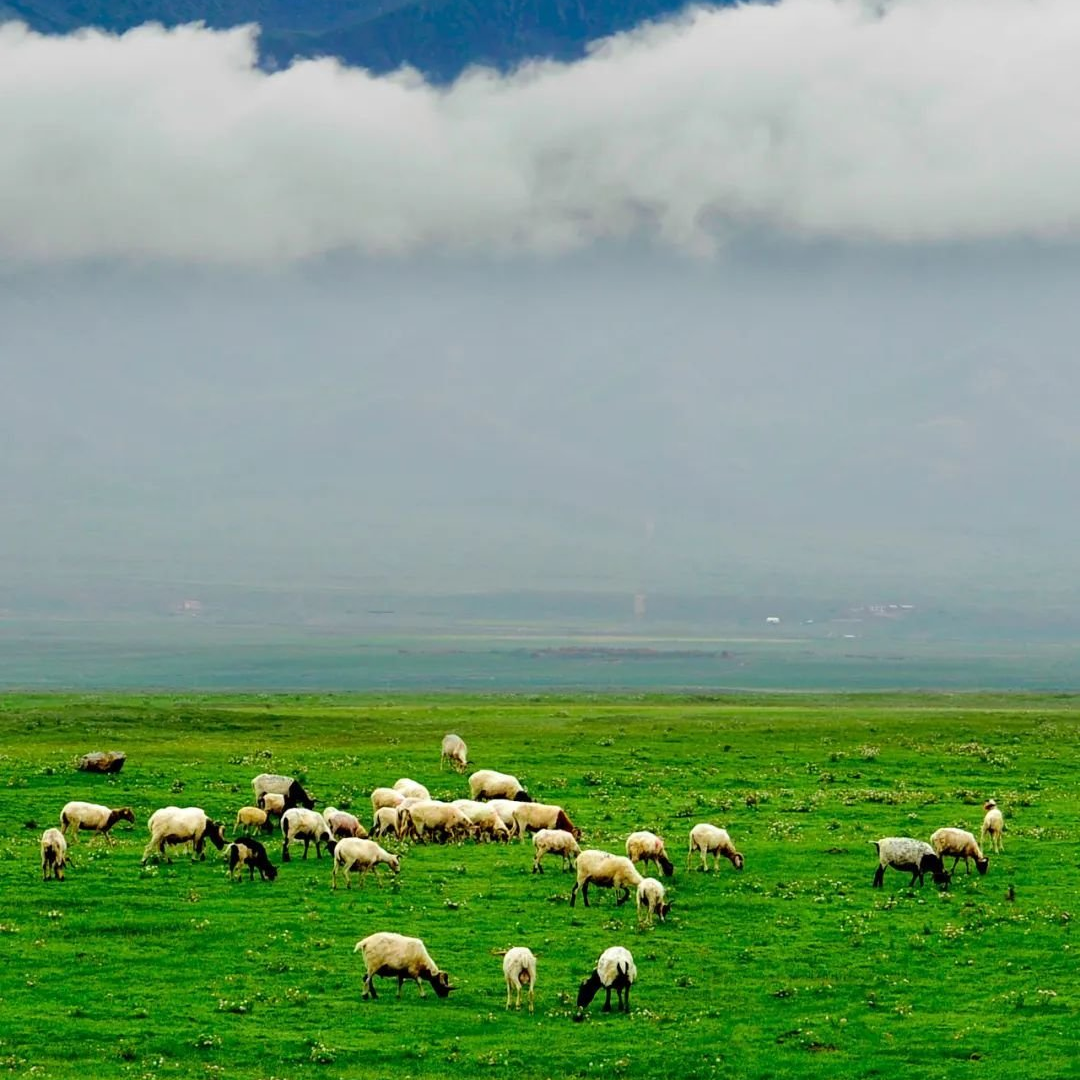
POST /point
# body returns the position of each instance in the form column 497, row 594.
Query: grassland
column 794, row 968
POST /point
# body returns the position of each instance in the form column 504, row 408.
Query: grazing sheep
column 385, row 796
column 251, row 817
column 554, row 840
column 343, row 824
column 183, row 825
column 273, row 783
column 455, row 751
column 53, row 854
column 395, row 956
column 91, row 817
column 488, row 784
column 994, row 824
column 274, row 804
column 411, row 789
column 648, row 847
column 442, row 820
column 307, row 825
column 519, row 968
column 505, row 809
column 246, row 851
column 710, row 840
column 615, row 970
column 387, row 820
column 528, row 817
column 353, row 853
column 484, row 819
column 915, row 857
column 607, row 871
column 651, row 900
column 961, row 845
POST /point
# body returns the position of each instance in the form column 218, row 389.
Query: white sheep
column 607, row 871
column 915, row 857
column 532, row 816
column 961, row 845
column 396, row 956
column 455, row 751
column 354, row 853
column 519, row 969
column 307, row 825
column 648, row 847
column 53, row 854
column 615, row 970
column 994, row 825
column 710, row 840
column 183, row 825
column 505, row 809
column 92, row 817
column 251, row 817
column 386, row 821
column 274, row 804
column 274, row 783
column 411, row 789
column 385, row 796
column 442, row 820
column 554, row 841
column 343, row 824
column 489, row 784
column 651, row 900
column 484, row 819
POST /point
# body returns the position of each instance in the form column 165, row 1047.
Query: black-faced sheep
column 307, row 825
column 454, row 751
column 394, row 956
column 646, row 847
column 607, row 871
column 183, row 825
column 556, row 841
column 710, row 840
column 90, row 817
column 353, row 853
column 53, row 854
column 993, row 825
column 615, row 970
column 519, row 969
column 290, row 789
column 246, row 851
column 961, row 845
column 914, row 857
column 488, row 784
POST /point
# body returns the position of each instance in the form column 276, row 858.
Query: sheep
column 710, row 840
column 274, row 804
column 519, row 969
column 292, row 790
column 532, row 816
column 651, row 900
column 505, row 809
column 183, row 825
column 648, row 847
column 455, row 751
column 994, row 824
column 916, row 857
column 396, row 956
column 343, row 824
column 411, row 789
column 53, row 854
column 615, row 970
column 484, row 819
column 91, row 817
column 554, row 840
column 488, row 784
column 251, row 817
column 385, row 796
column 307, row 825
column 961, row 845
column 386, row 821
column 354, row 853
column 439, row 818
column 246, row 851
column 607, row 871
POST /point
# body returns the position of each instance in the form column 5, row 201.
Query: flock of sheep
column 499, row 808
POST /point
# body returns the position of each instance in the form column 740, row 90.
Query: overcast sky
column 775, row 296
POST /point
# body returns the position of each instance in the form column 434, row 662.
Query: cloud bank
column 916, row 121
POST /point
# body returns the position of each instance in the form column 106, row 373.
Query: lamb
column 710, row 840
column 386, row 821
column 307, row 825
column 648, row 847
column 488, row 784
column 438, row 818
column 354, row 853
column 91, row 817
column 615, row 970
column 343, row 824
column 245, row 851
column 913, row 856
column 385, row 796
column 651, row 900
column 484, row 819
column 393, row 955
column 251, row 817
column 411, row 789
column 961, row 845
column 554, row 841
column 293, row 792
column 519, row 969
column 53, row 854
column 183, row 825
column 455, row 751
column 994, row 824
column 528, row 817
column 607, row 871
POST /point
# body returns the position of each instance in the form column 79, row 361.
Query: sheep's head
column 441, row 984
column 522, row 796
column 982, row 865
column 586, row 992
column 125, row 813
column 737, row 861
column 215, row 831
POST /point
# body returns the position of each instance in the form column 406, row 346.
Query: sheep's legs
column 607, row 1001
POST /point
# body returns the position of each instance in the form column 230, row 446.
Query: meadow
column 795, row 967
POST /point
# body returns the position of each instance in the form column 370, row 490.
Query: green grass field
column 794, row 968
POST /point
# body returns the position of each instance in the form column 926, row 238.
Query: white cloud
column 932, row 120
